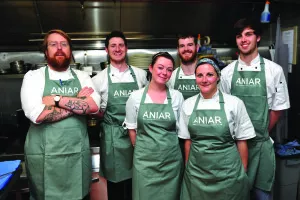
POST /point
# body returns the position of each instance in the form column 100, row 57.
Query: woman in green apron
column 216, row 127
column 151, row 117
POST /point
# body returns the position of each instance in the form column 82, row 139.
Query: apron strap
column 146, row 90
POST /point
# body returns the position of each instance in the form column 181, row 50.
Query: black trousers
column 87, row 197
column 181, row 144
column 119, row 191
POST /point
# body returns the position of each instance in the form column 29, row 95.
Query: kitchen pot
column 18, row 67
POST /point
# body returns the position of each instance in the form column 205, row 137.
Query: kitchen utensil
column 17, row 67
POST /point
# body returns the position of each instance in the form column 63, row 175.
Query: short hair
column 115, row 34
column 162, row 54
column 60, row 32
column 250, row 22
column 187, row 35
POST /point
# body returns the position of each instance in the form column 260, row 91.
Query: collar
column 255, row 61
column 64, row 75
column 116, row 70
column 214, row 97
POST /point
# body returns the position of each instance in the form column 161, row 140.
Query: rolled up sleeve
column 32, row 95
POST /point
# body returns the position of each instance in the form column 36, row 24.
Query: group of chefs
column 194, row 132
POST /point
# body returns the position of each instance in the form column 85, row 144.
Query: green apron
column 250, row 86
column 187, row 87
column 57, row 155
column 214, row 169
column 116, row 149
column 157, row 161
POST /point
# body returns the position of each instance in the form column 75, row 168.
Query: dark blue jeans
column 258, row 194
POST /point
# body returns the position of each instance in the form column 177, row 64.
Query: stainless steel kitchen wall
column 153, row 22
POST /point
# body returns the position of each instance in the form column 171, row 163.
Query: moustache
column 188, row 51
column 60, row 53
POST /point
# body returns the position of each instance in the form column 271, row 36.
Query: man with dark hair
column 56, row 99
column 183, row 78
column 115, row 84
column 261, row 84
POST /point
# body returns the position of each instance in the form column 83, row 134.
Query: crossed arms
column 81, row 105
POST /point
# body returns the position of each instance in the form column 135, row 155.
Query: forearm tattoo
column 77, row 106
column 57, row 114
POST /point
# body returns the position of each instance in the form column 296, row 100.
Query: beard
column 190, row 60
column 60, row 61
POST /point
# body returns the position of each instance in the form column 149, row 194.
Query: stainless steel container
column 95, row 154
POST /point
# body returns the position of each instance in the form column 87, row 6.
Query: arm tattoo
column 78, row 105
column 57, row 114
column 48, row 108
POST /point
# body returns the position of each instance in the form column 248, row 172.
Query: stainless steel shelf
column 11, row 76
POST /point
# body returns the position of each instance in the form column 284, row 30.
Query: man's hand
column 85, row 92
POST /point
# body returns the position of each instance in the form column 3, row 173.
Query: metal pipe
column 37, row 13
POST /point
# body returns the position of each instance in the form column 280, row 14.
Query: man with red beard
column 183, row 78
column 56, row 99
column 261, row 84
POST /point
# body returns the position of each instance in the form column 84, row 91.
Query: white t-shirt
column 134, row 101
column 33, row 88
column 240, row 125
column 101, row 81
column 171, row 82
column 277, row 92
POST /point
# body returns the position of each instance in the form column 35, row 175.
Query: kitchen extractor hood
column 153, row 22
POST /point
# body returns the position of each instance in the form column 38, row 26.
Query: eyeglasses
column 63, row 44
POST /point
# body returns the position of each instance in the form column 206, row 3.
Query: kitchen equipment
column 39, row 65
column 28, row 66
column 92, row 121
column 98, row 190
column 5, row 71
column 18, row 67
column 103, row 65
column 95, row 154
column 76, row 66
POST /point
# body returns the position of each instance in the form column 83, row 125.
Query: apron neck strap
column 146, row 91
column 221, row 100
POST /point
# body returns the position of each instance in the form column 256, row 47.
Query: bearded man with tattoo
column 56, row 99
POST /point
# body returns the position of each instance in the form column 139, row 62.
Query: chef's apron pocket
column 210, row 161
column 65, row 144
column 154, row 164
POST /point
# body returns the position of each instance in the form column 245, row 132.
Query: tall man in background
column 261, row 84
column 115, row 84
column 55, row 98
column 183, row 77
